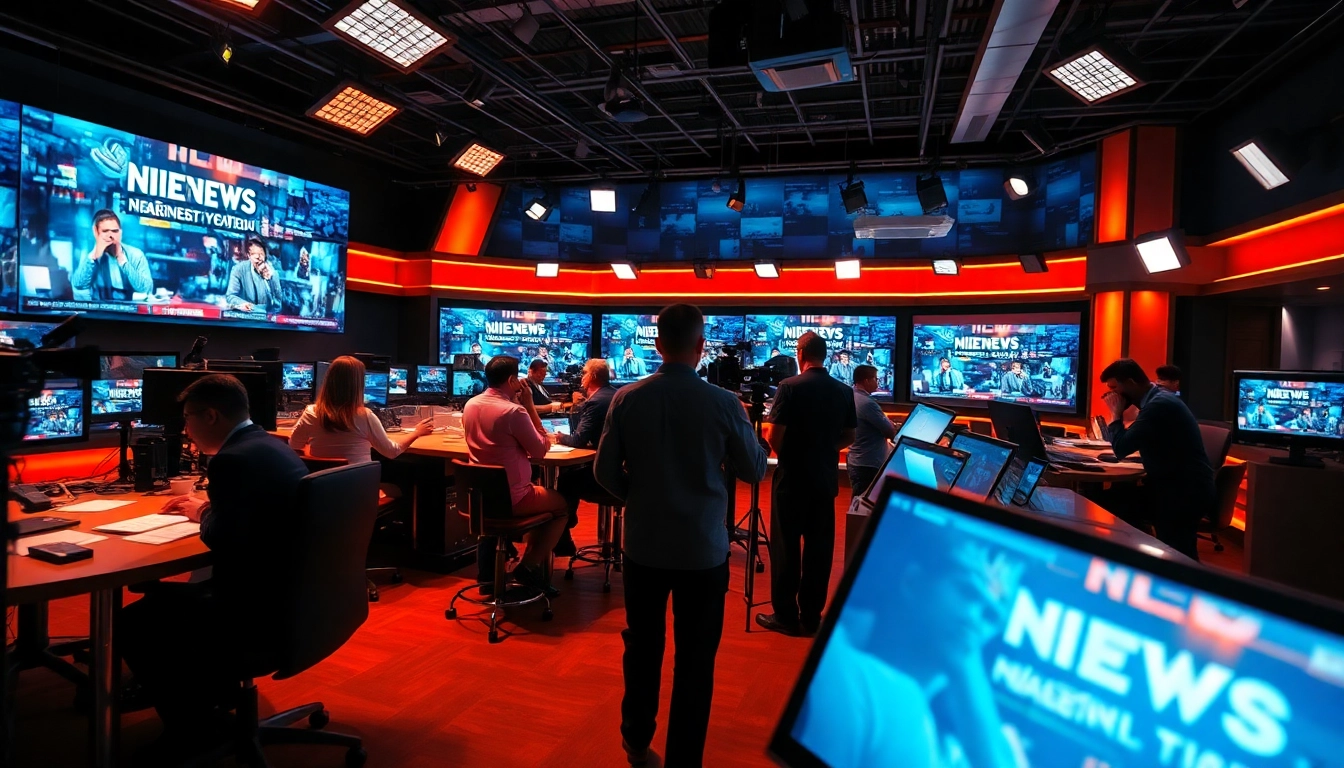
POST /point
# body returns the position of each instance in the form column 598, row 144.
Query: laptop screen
column 925, row 423
column 932, row 466
column 989, row 457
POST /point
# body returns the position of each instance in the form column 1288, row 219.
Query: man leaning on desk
column 185, row 643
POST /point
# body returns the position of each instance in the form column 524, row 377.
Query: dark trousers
column 1173, row 520
column 579, row 485
column 697, row 626
column 802, row 546
column 860, row 478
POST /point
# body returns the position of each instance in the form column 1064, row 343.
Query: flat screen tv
column 59, row 413
column 851, row 341
column 562, row 339
column 140, row 229
column 1032, row 359
column 1296, row 410
column 116, row 393
column 432, row 379
column 10, row 230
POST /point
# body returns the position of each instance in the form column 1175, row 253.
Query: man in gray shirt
column 870, row 446
column 666, row 441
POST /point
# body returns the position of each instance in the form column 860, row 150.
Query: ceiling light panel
column 1255, row 160
column 1093, row 76
column 602, row 200
column 394, row 32
column 478, row 159
column 353, row 109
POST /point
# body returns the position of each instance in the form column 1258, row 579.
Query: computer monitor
column 273, row 369
column 1019, row 482
column 375, row 388
column 398, row 380
column 115, row 394
column 1293, row 409
column 925, row 463
column 1017, row 424
column 558, row 426
column 59, row 413
column 319, row 375
column 161, row 387
column 298, row 377
column 926, row 422
column 468, row 383
column 988, row 459
column 964, row 628
column 431, row 379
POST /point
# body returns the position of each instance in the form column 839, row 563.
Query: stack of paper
column 59, row 537
column 165, row 535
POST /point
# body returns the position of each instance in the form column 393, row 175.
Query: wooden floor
column 423, row 691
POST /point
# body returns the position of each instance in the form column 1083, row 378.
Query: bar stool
column 484, row 491
column 607, row 552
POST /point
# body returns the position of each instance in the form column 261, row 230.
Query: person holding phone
column 252, row 283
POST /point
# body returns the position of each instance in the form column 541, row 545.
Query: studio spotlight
column 223, row 48
column 932, row 196
column 525, row 28
column 441, row 136
column 1016, row 187
column 853, row 196
column 581, row 150
column 624, row 270
column 704, row 270
column 619, row 102
column 847, row 269
column 602, row 200
column 538, row 208
column 1255, row 157
column 1094, row 75
column 946, row 266
column 1162, row 251
column 768, row 269
column 479, row 89
column 548, row 269
column 738, row 199
column 1033, row 263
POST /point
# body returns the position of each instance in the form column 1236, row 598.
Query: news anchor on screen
column 1014, row 381
column 628, row 367
column 1260, row 418
column 842, row 368
column 947, row 379
column 112, row 270
column 252, row 283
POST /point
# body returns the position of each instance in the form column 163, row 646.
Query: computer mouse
column 1108, row 457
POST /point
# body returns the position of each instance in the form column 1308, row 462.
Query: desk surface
column 448, row 446
column 1112, row 473
column 115, row 563
column 1066, row 507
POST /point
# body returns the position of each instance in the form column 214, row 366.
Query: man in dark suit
column 587, row 421
column 187, row 643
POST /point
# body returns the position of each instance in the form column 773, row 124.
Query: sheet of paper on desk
column 96, row 505
column 59, row 537
column 165, row 535
column 141, row 524
column 560, row 449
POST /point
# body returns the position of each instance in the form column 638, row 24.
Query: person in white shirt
column 338, row 426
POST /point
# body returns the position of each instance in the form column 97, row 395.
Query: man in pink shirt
column 503, row 429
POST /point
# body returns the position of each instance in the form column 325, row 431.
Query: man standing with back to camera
column 666, row 442
column 811, row 419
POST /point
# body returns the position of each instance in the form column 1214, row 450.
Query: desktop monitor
column 298, row 377
column 431, row 379
column 988, row 459
column 273, row 369
column 928, row 464
column 115, row 394
column 1292, row 409
column 1044, row 646
column 59, row 413
column 375, row 388
column 926, row 422
column 398, row 380
column 468, row 383
column 1019, row 482
column 1017, row 424
column 319, row 375
column 159, row 404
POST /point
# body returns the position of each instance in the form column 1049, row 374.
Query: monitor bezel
column 917, row 443
column 1275, row 599
column 1243, row 436
column 994, row 441
column 117, row 418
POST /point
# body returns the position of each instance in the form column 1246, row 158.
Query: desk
column 115, row 564
column 448, row 447
column 1294, row 525
column 1113, row 473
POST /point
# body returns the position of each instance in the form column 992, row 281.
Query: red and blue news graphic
column 57, row 412
column 851, row 341
column 9, row 202
column 629, row 346
column 126, row 227
column 1296, row 407
column 559, row 338
column 1029, row 359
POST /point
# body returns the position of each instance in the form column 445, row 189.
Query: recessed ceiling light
column 353, row 109
column 478, row 159
column 1093, row 76
column 1257, row 161
column 602, row 200
column 1161, row 252
column 624, row 270
column 393, row 31
column 548, row 269
column 946, row 267
column 847, row 269
column 767, row 269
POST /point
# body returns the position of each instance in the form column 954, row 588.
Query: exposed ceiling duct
column 1016, row 29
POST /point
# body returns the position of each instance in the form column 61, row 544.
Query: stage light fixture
column 649, row 201
column 624, row 270
column 393, row 30
column 224, row 50
column 847, row 269
column 932, row 196
column 853, row 196
column 946, row 266
column 479, row 89
column 1033, row 263
column 538, row 208
column 548, row 269
column 1162, row 251
column 581, row 150
column 602, row 200
column 767, row 269
column 1255, row 158
column 703, row 270
column 441, row 136
column 1322, row 287
column 1016, row 187
column 477, row 158
column 1094, row 75
column 525, row 28
column 619, row 101
column 738, row 199
column 353, row 109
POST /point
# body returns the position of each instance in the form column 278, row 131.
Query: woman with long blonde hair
column 338, row 426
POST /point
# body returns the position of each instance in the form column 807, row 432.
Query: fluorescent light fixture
column 738, row 200
column 704, row 270
column 946, row 266
column 1016, row 187
column 548, row 269
column 767, row 269
column 354, row 109
column 1259, row 164
column 602, row 200
column 624, row 270
column 538, row 208
column 1093, row 76
column 1161, row 251
column 847, row 269
column 477, row 158
column 392, row 30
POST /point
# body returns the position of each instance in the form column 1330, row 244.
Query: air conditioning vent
column 831, row 68
column 902, row 227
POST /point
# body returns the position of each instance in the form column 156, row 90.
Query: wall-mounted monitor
column 398, row 380
column 9, row 204
column 851, row 341
column 562, row 339
column 59, row 413
column 431, row 379
column 132, row 228
column 298, row 377
column 1032, row 359
column 1293, row 409
column 116, row 393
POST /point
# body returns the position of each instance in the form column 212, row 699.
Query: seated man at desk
column 502, row 429
column 1177, row 489
column 536, row 374
column 184, row 644
column 589, row 417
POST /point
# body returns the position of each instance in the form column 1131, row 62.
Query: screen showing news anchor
column 398, row 380
column 10, row 231
column 57, row 413
column 127, row 227
column 297, row 377
column 431, row 379
column 1028, row 359
column 1034, row 652
column 120, row 379
column 851, row 341
column 629, row 346
column 559, row 338
column 1296, row 406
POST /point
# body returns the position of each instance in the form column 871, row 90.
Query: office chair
column 387, row 506
column 1226, row 485
column 608, row 551
column 484, row 492
column 325, row 603
column 1217, row 436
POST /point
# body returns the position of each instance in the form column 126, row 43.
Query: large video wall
column 802, row 217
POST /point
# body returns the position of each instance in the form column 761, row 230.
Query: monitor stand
column 125, row 473
column 1297, row 457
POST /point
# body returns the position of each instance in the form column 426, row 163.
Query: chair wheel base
column 319, row 719
column 356, row 758
column 494, row 636
column 450, row 614
column 760, row 567
column 547, row 615
column 569, row 575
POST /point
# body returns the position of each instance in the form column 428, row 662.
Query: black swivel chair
column 387, row 507
column 1226, row 484
column 324, row 602
column 1217, row 436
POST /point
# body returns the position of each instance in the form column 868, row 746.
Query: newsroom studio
column 672, row 383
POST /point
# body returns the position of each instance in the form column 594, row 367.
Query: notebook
column 141, row 524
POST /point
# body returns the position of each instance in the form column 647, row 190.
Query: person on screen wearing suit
column 184, row 642
column 536, row 374
column 589, row 417
column 948, row 379
column 842, row 368
column 629, row 367
column 112, row 270
column 1014, row 380
column 1260, row 418
column 253, row 284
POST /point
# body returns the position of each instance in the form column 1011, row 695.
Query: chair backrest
column 325, row 592
column 1217, row 441
column 483, row 492
column 317, row 464
column 1226, row 485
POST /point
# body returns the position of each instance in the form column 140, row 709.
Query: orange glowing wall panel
column 1155, row 179
column 1314, row 242
column 1149, row 328
column 60, row 465
column 1108, row 335
column 1113, row 189
column 468, row 220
